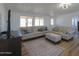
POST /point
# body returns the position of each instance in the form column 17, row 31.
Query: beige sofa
column 66, row 32
column 33, row 32
column 31, row 35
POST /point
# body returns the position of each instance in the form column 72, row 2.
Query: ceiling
column 50, row 9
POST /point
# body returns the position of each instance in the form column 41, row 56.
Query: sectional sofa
column 34, row 32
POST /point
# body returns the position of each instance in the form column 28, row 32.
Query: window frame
column 51, row 20
column 27, row 21
column 39, row 21
column 21, row 23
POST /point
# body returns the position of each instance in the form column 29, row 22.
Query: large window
column 29, row 20
column 22, row 22
column 39, row 21
column 74, row 22
column 36, row 21
column 52, row 21
column 25, row 21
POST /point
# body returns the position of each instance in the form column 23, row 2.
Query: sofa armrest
column 67, row 36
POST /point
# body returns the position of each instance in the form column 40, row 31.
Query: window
column 39, row 21
column 74, row 21
column 25, row 21
column 52, row 21
column 22, row 22
column 36, row 21
column 29, row 22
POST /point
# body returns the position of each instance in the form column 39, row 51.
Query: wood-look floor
column 71, row 48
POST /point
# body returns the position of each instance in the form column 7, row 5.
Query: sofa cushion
column 42, row 29
column 24, row 32
column 32, row 35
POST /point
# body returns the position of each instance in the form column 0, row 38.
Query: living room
column 42, row 26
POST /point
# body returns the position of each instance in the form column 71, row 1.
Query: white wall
column 15, row 19
column 66, row 20
column 62, row 20
column 3, row 17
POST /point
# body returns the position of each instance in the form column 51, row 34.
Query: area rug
column 42, row 47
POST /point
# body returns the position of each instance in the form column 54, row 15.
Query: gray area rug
column 42, row 47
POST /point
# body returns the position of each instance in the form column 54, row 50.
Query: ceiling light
column 64, row 5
